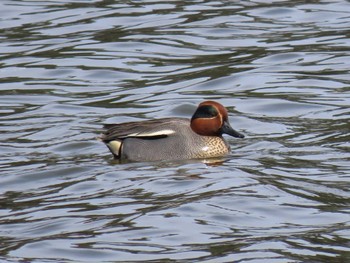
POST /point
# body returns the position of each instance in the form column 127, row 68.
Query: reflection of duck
column 172, row 138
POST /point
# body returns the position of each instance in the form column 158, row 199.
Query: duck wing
column 150, row 129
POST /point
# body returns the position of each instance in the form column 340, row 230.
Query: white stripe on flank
column 151, row 134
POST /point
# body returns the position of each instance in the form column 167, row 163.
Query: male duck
column 172, row 138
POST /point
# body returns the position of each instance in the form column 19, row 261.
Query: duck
column 172, row 138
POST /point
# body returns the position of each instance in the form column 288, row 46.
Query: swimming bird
column 172, row 138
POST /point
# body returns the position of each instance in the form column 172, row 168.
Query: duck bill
column 227, row 129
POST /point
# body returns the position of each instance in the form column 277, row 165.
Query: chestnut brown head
column 211, row 119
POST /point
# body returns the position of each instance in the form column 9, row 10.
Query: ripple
column 280, row 68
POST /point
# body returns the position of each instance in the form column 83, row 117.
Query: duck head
column 211, row 119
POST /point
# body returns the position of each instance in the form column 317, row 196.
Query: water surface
column 281, row 69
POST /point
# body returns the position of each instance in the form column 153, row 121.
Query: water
column 282, row 70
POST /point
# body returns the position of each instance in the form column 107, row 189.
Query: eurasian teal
column 172, row 138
